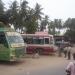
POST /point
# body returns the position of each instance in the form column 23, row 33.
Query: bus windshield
column 14, row 37
column 38, row 41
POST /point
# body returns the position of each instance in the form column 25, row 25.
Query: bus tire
column 39, row 51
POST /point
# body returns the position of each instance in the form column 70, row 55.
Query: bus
column 61, row 40
column 40, row 42
column 12, row 47
column 58, row 40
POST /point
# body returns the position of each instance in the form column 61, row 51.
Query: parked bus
column 58, row 40
column 61, row 40
column 12, row 46
column 40, row 42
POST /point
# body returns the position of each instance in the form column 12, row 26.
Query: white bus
column 40, row 42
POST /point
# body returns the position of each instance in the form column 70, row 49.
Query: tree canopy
column 30, row 20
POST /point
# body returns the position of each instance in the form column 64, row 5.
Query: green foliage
column 1, row 7
column 70, row 23
column 55, row 27
column 58, row 23
column 44, row 23
column 51, row 28
column 37, row 14
column 22, row 16
column 31, row 24
column 70, row 32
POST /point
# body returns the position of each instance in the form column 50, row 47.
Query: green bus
column 12, row 47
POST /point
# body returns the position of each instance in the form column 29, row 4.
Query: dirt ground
column 30, row 64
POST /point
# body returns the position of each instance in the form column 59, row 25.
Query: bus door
column 46, row 40
column 3, row 47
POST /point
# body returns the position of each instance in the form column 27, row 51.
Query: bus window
column 28, row 40
column 25, row 40
column 51, row 40
column 46, row 40
column 3, row 39
column 14, row 38
column 38, row 40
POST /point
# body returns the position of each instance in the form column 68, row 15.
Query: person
column 70, row 69
column 60, row 50
column 65, row 51
column 73, row 51
column 69, row 52
column 36, row 55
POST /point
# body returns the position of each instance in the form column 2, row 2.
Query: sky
column 55, row 9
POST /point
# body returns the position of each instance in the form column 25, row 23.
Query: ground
column 30, row 64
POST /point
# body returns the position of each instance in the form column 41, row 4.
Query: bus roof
column 40, row 34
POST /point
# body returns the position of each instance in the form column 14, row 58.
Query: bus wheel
column 39, row 51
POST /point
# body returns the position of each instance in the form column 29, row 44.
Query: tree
column 55, row 26
column 70, row 32
column 38, row 14
column 12, row 13
column 31, row 25
column 22, row 17
column 27, row 18
column 1, row 7
column 70, row 24
column 58, row 24
column 23, row 12
column 30, row 20
column 5, row 19
column 51, row 28
column 67, row 23
column 44, row 23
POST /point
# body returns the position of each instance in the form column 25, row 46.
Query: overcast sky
column 60, row 9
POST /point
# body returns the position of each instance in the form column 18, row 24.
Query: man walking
column 70, row 69
column 69, row 52
column 65, row 51
column 60, row 49
column 73, row 51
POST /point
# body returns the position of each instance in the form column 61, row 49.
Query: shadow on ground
column 10, row 63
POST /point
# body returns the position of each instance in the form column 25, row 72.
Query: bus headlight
column 12, row 55
column 12, row 52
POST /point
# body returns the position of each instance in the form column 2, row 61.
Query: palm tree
column 58, row 24
column 23, row 11
column 38, row 14
column 68, row 23
column 51, row 28
column 1, row 7
column 12, row 13
column 70, row 31
column 31, row 24
column 44, row 23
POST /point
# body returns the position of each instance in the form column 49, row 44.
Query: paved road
column 50, row 71
column 45, row 65
column 59, row 69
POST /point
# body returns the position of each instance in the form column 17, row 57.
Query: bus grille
column 20, row 51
